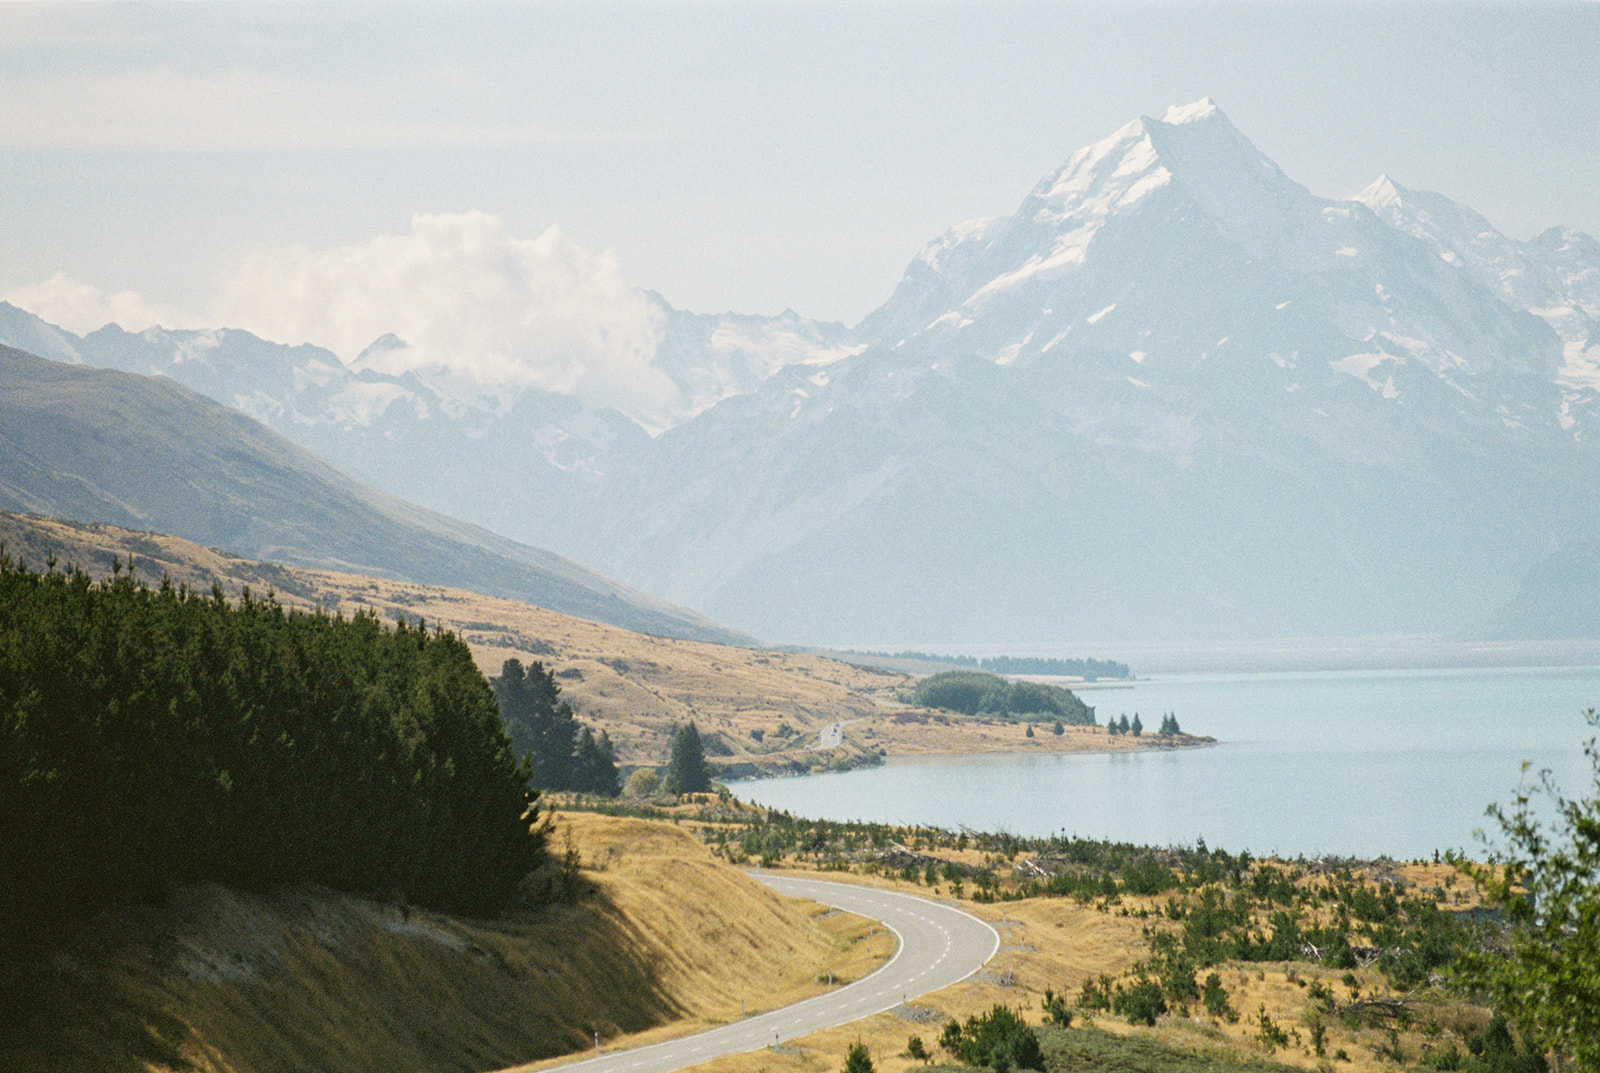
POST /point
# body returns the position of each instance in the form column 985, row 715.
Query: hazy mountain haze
column 147, row 453
column 1174, row 394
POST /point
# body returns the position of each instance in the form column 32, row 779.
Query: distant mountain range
column 1174, row 395
column 146, row 453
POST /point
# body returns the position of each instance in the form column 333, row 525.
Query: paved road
column 939, row 946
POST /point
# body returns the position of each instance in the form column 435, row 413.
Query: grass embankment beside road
column 674, row 939
column 669, row 941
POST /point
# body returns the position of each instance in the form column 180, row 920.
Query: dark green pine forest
column 560, row 754
column 152, row 736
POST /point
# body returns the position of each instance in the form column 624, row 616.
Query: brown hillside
column 634, row 686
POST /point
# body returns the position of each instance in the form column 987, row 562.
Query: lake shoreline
column 1364, row 764
column 921, row 734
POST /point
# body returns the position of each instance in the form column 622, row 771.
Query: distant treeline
column 979, row 693
column 156, row 736
column 1087, row 669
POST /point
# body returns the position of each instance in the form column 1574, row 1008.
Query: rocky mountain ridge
column 98, row 445
column 1174, row 394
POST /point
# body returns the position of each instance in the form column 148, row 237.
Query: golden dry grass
column 1058, row 943
column 633, row 686
column 226, row 981
column 918, row 732
column 674, row 941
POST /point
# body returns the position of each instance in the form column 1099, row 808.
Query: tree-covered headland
column 978, row 693
column 153, row 736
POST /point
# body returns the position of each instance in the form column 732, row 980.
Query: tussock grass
column 225, row 981
column 1060, row 942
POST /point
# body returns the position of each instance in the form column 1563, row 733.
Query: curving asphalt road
column 939, row 945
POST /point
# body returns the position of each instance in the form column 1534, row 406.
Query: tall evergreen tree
column 595, row 769
column 540, row 724
column 686, row 766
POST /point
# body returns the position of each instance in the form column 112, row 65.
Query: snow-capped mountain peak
column 376, row 354
column 1204, row 108
column 1190, row 164
column 1555, row 276
column 1173, row 393
column 1383, row 192
column 1195, row 145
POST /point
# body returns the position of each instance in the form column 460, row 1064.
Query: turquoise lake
column 1396, row 763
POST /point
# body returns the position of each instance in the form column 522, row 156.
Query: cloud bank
column 472, row 303
column 470, row 300
column 82, row 307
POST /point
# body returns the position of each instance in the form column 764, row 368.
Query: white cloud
column 471, row 300
column 81, row 307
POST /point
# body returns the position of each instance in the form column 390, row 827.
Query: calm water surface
column 1359, row 763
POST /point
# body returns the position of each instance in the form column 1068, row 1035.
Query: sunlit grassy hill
column 634, row 686
column 757, row 709
column 301, row 978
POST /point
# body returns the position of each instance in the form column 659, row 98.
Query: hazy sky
column 198, row 161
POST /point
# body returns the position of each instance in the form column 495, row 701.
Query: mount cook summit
column 1174, row 395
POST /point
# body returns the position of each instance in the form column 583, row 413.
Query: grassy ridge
column 664, row 940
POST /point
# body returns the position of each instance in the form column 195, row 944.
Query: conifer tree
column 541, row 725
column 595, row 770
column 686, row 766
column 157, row 736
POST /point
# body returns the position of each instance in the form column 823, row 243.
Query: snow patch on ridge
column 1359, row 365
column 1204, row 108
column 1580, row 366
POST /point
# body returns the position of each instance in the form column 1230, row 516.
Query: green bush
column 976, row 693
column 1140, row 1002
column 999, row 1039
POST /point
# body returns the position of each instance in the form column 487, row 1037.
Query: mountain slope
column 492, row 451
column 1174, row 394
column 101, row 445
column 1560, row 598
